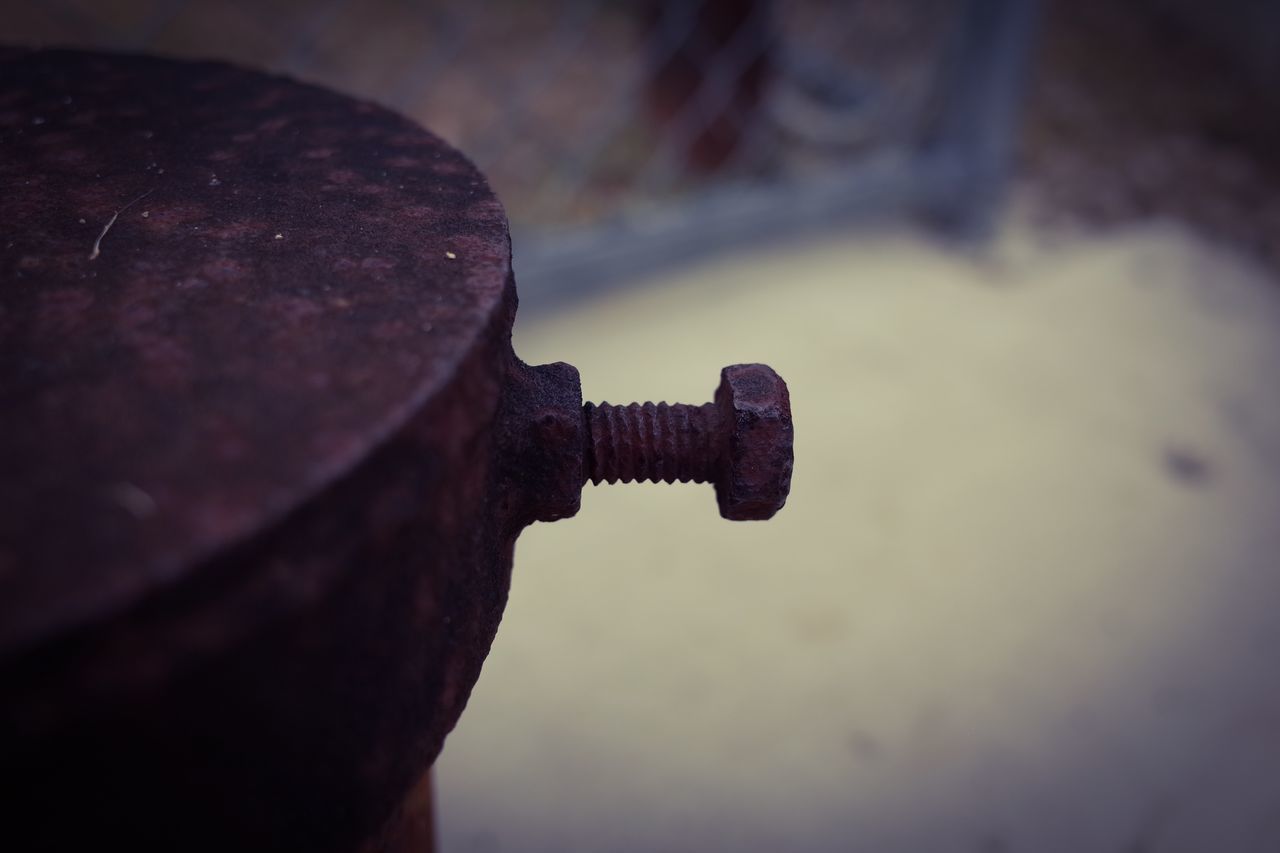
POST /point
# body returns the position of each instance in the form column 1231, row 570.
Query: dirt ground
column 1022, row 596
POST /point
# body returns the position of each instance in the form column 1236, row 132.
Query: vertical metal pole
column 968, row 151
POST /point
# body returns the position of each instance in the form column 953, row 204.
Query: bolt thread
column 654, row 442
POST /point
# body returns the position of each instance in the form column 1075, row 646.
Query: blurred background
column 1018, row 262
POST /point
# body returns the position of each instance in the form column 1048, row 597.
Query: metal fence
column 628, row 134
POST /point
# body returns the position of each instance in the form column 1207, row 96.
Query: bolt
column 741, row 442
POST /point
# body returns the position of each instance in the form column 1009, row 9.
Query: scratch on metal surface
column 97, row 244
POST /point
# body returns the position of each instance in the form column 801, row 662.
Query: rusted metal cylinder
column 264, row 454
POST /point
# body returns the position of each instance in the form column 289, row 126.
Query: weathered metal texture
column 250, row 555
column 264, row 453
column 294, row 275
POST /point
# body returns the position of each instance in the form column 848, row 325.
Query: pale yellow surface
column 990, row 618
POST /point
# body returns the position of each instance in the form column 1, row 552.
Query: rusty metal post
column 265, row 452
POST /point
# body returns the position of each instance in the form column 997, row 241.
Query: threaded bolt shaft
column 655, row 442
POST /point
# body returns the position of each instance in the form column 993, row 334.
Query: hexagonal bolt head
column 754, row 476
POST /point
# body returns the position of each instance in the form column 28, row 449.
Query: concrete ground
column 1023, row 596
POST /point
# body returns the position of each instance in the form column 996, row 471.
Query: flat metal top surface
column 218, row 290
